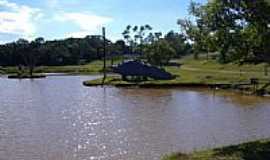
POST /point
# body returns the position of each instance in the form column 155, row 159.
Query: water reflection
column 243, row 100
column 59, row 119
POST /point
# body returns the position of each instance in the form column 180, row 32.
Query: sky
column 59, row 19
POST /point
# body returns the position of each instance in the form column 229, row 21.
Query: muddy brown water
column 59, row 119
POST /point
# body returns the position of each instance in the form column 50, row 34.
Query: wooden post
column 104, row 54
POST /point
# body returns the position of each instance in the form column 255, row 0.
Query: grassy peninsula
column 199, row 72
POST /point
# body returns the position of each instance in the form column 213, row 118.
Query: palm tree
column 127, row 37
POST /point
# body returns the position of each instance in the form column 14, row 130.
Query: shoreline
column 35, row 76
column 194, row 85
column 232, row 87
column 259, row 150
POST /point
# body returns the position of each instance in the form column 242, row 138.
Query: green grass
column 204, row 72
column 203, row 63
column 94, row 67
column 259, row 150
column 217, row 72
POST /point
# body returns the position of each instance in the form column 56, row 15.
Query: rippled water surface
column 58, row 119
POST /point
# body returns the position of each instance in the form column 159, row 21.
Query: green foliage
column 159, row 52
column 239, row 30
column 135, row 36
column 153, row 47
column 178, row 43
column 71, row 51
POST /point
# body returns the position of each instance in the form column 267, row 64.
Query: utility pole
column 104, row 54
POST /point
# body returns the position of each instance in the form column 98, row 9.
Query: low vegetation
column 94, row 67
column 259, row 150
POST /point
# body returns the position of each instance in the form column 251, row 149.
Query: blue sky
column 57, row 19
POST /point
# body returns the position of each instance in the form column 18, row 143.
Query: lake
column 57, row 118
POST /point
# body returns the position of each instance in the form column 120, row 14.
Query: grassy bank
column 26, row 76
column 259, row 150
column 192, row 71
column 198, row 73
column 94, row 67
column 118, row 82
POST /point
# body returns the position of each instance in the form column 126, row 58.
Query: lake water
column 59, row 119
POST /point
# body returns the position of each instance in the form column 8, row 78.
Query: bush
column 159, row 53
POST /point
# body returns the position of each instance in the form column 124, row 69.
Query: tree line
column 70, row 51
column 153, row 47
column 74, row 51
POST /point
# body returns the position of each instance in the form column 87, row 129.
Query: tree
column 33, row 55
column 120, row 46
column 237, row 29
column 134, row 36
column 29, row 52
column 194, row 35
column 127, row 37
column 23, row 48
column 178, row 43
column 140, row 33
column 159, row 52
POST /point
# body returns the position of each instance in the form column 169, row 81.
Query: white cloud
column 52, row 3
column 21, row 21
column 61, row 4
column 88, row 23
column 18, row 19
column 79, row 34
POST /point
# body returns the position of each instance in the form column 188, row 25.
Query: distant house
column 139, row 69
